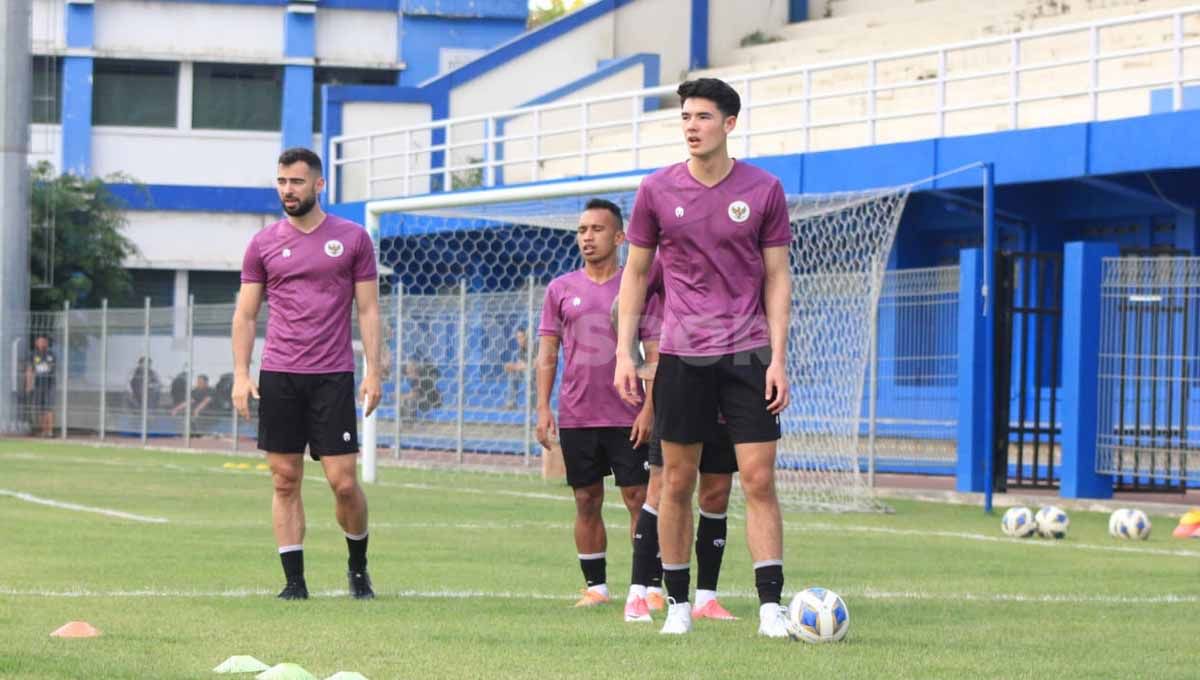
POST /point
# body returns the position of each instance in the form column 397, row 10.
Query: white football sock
column 768, row 611
column 636, row 591
column 703, row 597
column 601, row 588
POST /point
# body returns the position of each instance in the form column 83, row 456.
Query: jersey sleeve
column 643, row 223
column 551, row 324
column 253, row 270
column 776, row 229
column 364, row 259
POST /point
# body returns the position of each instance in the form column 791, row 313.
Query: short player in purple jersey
column 600, row 433
column 311, row 267
column 718, row 462
column 722, row 231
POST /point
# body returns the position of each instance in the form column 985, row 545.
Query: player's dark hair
column 202, row 376
column 713, row 89
column 299, row 154
column 604, row 204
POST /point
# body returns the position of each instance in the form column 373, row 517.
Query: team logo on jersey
column 679, row 211
column 287, row 252
column 334, row 248
column 739, row 212
column 345, row 436
column 576, row 302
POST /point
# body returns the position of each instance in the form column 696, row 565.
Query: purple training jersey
column 710, row 242
column 578, row 311
column 309, row 281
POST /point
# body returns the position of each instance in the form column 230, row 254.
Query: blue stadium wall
column 1127, row 183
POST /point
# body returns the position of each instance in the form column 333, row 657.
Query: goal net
column 463, row 276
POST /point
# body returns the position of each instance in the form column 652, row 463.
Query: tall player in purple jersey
column 718, row 462
column 312, row 267
column 722, row 232
column 600, row 434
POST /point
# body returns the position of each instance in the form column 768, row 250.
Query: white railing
column 1096, row 71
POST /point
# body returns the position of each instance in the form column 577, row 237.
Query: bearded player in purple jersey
column 722, row 231
column 600, row 433
column 312, row 268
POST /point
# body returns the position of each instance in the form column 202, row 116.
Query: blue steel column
column 973, row 449
column 1082, row 270
column 77, row 91
column 299, row 40
column 990, row 246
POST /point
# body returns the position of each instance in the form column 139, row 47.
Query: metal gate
column 1028, row 337
column 1149, row 356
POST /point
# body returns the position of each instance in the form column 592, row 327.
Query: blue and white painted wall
column 566, row 60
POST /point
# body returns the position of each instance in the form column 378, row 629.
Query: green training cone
column 285, row 671
column 241, row 664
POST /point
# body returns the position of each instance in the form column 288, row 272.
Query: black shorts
column 716, row 458
column 593, row 453
column 307, row 409
column 42, row 397
column 689, row 393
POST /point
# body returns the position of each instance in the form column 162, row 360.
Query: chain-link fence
column 458, row 379
column 460, row 372
column 1147, row 428
column 153, row 375
column 910, row 418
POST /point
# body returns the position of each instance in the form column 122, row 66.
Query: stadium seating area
column 837, row 49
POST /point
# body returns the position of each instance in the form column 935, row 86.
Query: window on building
column 134, row 93
column 237, row 97
column 157, row 284
column 212, row 288
column 47, row 90
column 345, row 76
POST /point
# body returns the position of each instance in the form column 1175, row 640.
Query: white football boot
column 679, row 618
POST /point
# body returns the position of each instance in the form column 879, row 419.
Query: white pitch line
column 30, row 498
column 849, row 594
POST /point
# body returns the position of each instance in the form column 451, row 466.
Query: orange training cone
column 1189, row 525
column 76, row 629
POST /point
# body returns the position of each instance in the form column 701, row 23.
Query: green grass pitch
column 476, row 574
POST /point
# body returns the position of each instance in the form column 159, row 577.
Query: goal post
column 462, row 280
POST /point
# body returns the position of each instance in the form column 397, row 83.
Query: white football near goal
column 1133, row 525
column 1052, row 522
column 1018, row 522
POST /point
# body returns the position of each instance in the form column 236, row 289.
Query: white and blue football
column 1052, row 522
column 1134, row 525
column 1018, row 522
column 819, row 615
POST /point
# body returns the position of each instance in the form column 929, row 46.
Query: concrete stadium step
column 894, row 27
column 831, row 40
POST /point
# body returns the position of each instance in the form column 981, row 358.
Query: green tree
column 542, row 12
column 77, row 249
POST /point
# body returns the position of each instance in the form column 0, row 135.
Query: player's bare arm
column 366, row 299
column 547, row 367
column 777, row 298
column 245, row 320
column 632, row 299
column 643, row 428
